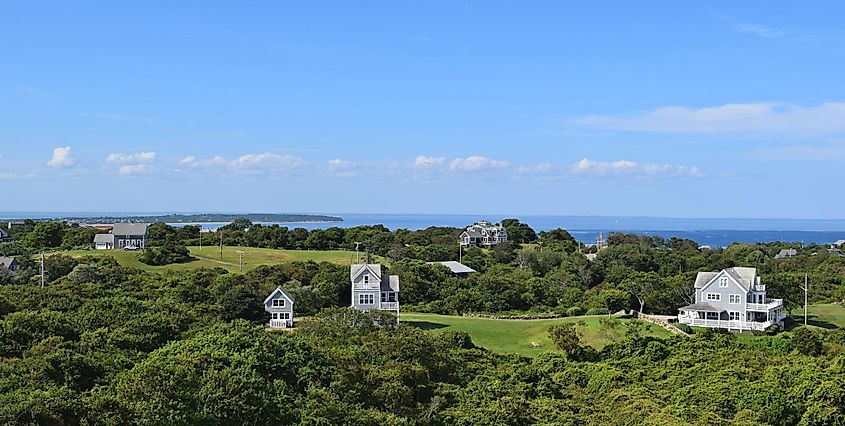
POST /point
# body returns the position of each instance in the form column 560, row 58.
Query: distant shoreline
column 190, row 218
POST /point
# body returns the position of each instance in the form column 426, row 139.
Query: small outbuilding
column 457, row 269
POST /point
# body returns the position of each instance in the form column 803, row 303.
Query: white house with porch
column 372, row 290
column 279, row 304
column 732, row 299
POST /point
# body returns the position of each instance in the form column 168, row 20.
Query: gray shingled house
column 786, row 254
column 8, row 264
column 133, row 235
column 103, row 241
column 484, row 233
column 372, row 290
column 280, row 306
column 4, row 236
column 732, row 299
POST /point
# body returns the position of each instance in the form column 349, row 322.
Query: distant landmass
column 200, row 218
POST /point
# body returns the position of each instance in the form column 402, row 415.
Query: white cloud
column 748, row 118
column 133, row 169
column 141, row 157
column 424, row 162
column 632, row 168
column 247, row 164
column 193, row 162
column 476, row 163
column 265, row 160
column 61, row 158
column 767, row 32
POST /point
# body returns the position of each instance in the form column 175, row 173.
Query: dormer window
column 723, row 282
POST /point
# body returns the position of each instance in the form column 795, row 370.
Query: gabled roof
column 3, row 233
column 129, row 229
column 104, row 238
column 358, row 268
column 455, row 267
column 472, row 233
column 745, row 277
column 839, row 243
column 279, row 290
column 6, row 261
column 785, row 253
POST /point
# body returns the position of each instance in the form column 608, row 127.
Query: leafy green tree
column 567, row 337
column 519, row 232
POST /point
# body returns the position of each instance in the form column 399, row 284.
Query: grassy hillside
column 513, row 336
column 827, row 315
column 209, row 257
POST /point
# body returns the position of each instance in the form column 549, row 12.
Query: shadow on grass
column 425, row 325
column 813, row 320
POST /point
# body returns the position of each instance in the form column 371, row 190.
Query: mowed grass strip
column 515, row 336
column 209, row 257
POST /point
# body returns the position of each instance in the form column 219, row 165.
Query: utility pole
column 200, row 238
column 460, row 252
column 806, row 288
column 357, row 257
column 241, row 259
column 221, row 243
column 42, row 269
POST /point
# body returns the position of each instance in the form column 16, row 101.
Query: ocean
column 710, row 232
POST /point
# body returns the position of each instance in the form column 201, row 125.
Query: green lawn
column 828, row 315
column 513, row 336
column 209, row 257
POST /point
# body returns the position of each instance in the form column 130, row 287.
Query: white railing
column 765, row 307
column 281, row 323
column 389, row 306
column 731, row 325
column 759, row 287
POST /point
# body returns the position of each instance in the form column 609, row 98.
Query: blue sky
column 660, row 108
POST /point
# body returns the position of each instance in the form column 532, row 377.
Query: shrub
column 685, row 328
column 596, row 311
column 165, row 255
column 575, row 311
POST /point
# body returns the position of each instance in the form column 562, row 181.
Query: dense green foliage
column 110, row 345
column 105, row 344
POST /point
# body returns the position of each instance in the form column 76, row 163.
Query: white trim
column 718, row 297
column 719, row 275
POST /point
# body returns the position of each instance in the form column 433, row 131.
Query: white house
column 373, row 290
column 280, row 306
column 484, row 233
column 732, row 299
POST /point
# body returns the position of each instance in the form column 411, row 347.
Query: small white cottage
column 280, row 306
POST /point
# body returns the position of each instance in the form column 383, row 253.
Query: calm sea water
column 712, row 232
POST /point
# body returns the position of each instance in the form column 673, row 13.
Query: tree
column 241, row 301
column 613, row 299
column 642, row 286
column 807, row 341
column 567, row 337
column 519, row 232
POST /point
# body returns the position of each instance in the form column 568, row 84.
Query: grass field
column 209, row 257
column 513, row 336
column 828, row 315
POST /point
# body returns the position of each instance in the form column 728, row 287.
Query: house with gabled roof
column 5, row 237
column 279, row 304
column 733, row 299
column 373, row 290
column 129, row 235
column 484, row 233
column 786, row 254
column 8, row 264
column 103, row 241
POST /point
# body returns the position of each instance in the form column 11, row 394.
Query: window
column 278, row 303
column 366, row 299
column 734, row 316
column 284, row 315
column 275, row 315
column 723, row 282
column 735, row 299
column 384, row 297
column 714, row 296
column 366, row 279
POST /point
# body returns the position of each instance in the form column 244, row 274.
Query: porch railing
column 389, row 306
